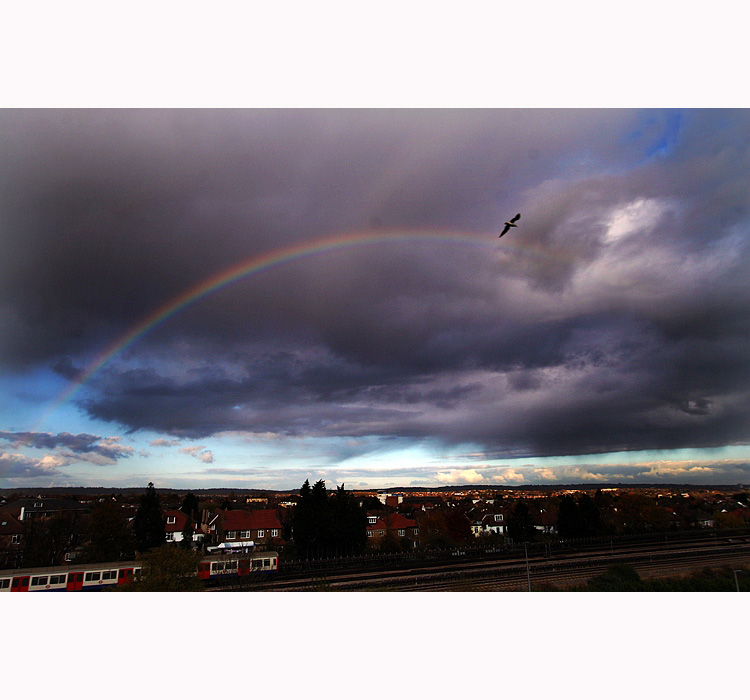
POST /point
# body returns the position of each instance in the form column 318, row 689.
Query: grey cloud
column 560, row 338
column 83, row 445
column 16, row 466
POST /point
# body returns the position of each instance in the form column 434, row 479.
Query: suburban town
column 77, row 528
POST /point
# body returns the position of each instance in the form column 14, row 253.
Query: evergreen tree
column 520, row 523
column 569, row 520
column 349, row 524
column 324, row 526
column 301, row 520
column 190, row 505
column 149, row 521
column 322, row 520
column 591, row 518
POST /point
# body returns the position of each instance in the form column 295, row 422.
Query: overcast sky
column 605, row 338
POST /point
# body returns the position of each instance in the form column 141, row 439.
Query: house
column 704, row 519
column 11, row 540
column 27, row 508
column 376, row 528
column 402, row 526
column 493, row 524
column 544, row 520
column 174, row 526
column 262, row 527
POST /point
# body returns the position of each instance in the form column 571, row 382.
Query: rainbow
column 252, row 266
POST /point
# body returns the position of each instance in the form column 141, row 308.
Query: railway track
column 503, row 573
column 569, row 579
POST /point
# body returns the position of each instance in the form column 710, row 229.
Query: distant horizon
column 463, row 487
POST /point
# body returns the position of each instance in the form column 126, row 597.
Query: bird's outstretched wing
column 515, row 218
column 505, row 230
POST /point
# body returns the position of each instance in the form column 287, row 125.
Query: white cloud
column 509, row 475
column 460, row 476
column 199, row 452
column 636, row 216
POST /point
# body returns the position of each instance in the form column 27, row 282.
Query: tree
column 728, row 521
column 520, row 523
column 618, row 577
column 569, row 520
column 109, row 537
column 149, row 521
column 639, row 513
column 48, row 540
column 349, row 527
column 190, row 505
column 458, row 526
column 391, row 543
column 167, row 568
column 187, row 534
column 434, row 532
column 591, row 518
column 302, row 521
column 325, row 526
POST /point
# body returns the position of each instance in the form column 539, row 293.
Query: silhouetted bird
column 509, row 225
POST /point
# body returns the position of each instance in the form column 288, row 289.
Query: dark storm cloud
column 616, row 317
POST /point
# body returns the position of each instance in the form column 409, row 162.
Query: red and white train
column 94, row 577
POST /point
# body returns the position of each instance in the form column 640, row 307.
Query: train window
column 257, row 563
column 5, row 583
column 266, row 562
column 109, row 575
column 218, row 566
column 93, row 576
column 39, row 581
column 57, row 579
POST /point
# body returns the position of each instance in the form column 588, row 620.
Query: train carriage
column 92, row 577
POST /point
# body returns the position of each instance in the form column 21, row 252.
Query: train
column 97, row 577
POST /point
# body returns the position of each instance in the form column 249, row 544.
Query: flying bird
column 510, row 224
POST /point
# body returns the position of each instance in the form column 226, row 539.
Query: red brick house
column 401, row 526
column 262, row 527
column 376, row 528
